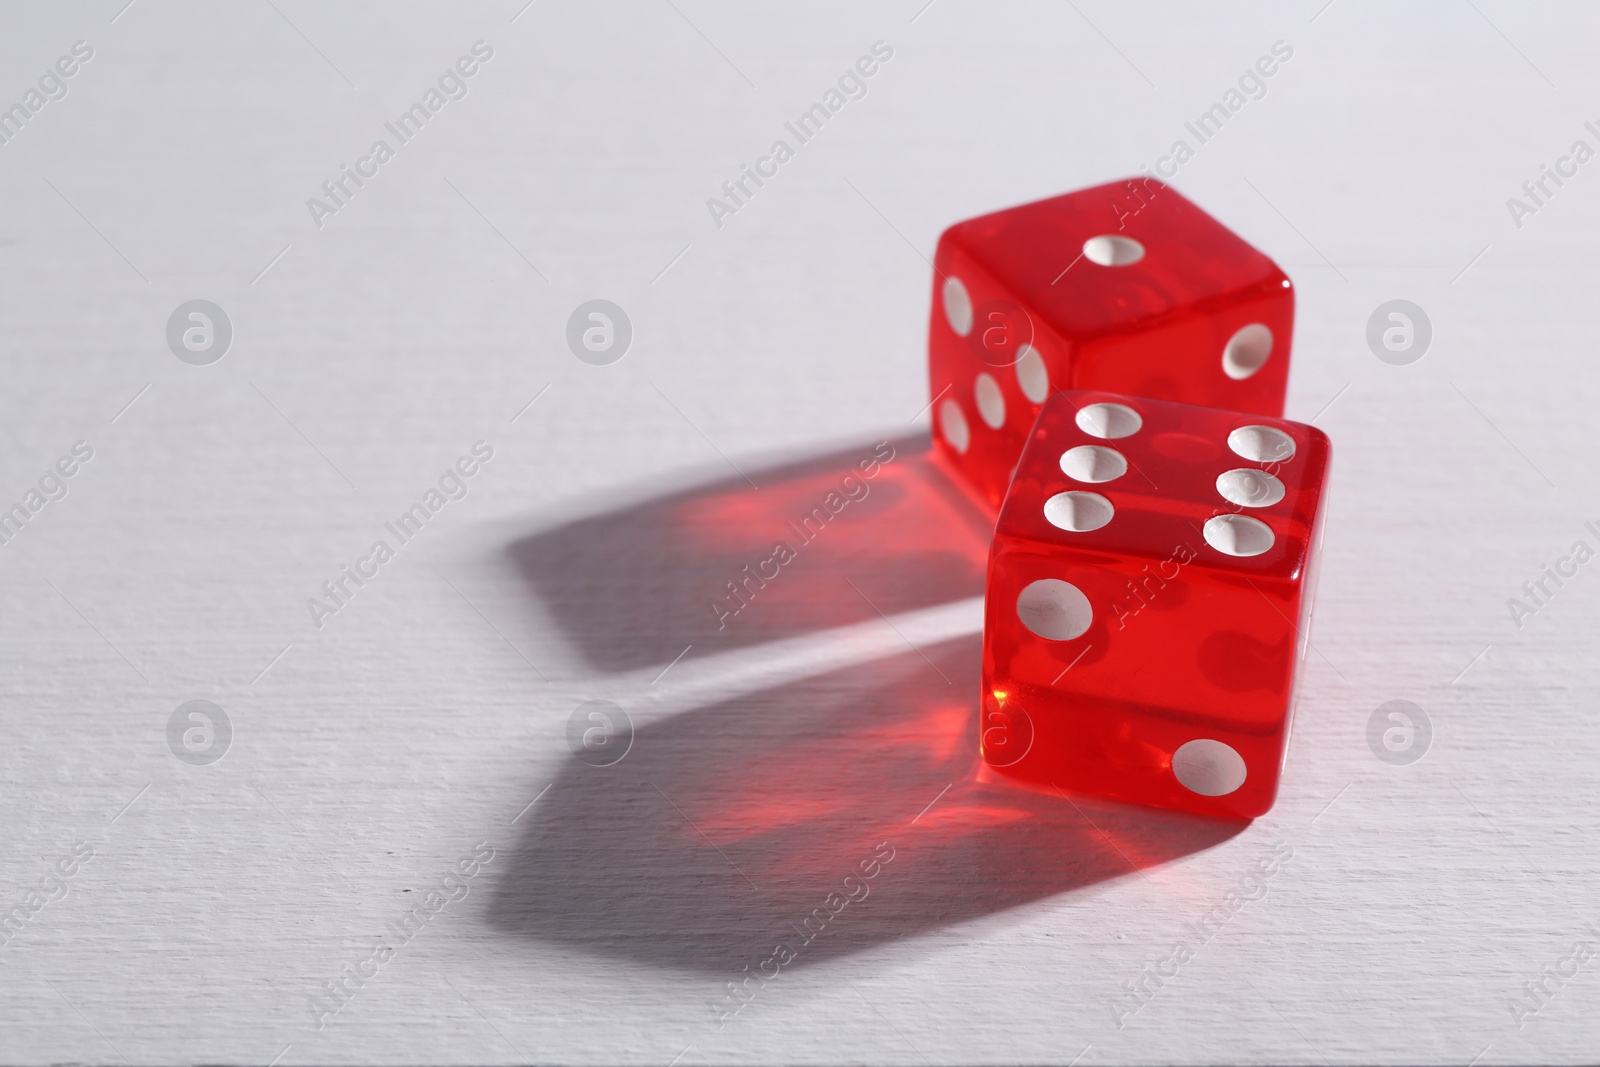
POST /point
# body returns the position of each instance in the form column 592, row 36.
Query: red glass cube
column 1148, row 602
column 1126, row 287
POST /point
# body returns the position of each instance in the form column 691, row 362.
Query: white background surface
column 422, row 719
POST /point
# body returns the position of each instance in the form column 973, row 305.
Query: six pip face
column 1149, row 591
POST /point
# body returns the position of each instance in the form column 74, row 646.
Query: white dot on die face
column 1055, row 610
column 953, row 424
column 1093, row 463
column 1112, row 250
column 1078, row 512
column 1237, row 535
column 1246, row 351
column 1032, row 375
column 1261, row 444
column 991, row 403
column 1249, row 488
column 957, row 305
column 1208, row 767
column 1109, row 420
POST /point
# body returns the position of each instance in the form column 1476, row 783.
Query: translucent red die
column 1148, row 602
column 1126, row 287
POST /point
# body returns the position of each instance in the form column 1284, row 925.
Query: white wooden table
column 400, row 855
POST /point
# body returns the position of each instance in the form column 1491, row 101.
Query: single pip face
column 1126, row 287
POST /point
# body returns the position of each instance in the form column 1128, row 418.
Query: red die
column 1148, row 602
column 1126, row 287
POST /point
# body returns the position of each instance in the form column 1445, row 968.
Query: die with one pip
column 1126, row 287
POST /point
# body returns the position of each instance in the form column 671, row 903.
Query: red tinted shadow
column 807, row 821
column 822, row 543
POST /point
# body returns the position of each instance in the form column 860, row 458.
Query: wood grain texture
column 1379, row 914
